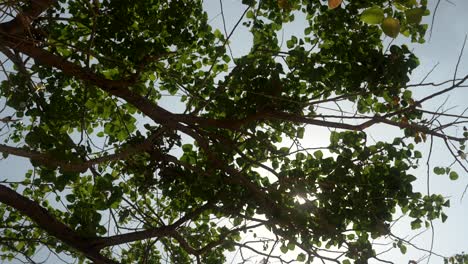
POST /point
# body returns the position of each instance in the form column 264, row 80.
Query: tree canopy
column 117, row 177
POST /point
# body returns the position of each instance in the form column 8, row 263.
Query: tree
column 117, row 178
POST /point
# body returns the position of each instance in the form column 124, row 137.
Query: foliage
column 458, row 258
column 117, row 178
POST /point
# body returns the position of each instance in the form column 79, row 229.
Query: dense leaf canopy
column 117, row 178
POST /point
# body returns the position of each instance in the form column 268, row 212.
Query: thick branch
column 21, row 22
column 168, row 230
column 103, row 242
column 360, row 127
column 50, row 224
column 51, row 162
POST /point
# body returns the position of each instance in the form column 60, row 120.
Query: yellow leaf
column 283, row 4
column 391, row 27
column 332, row 4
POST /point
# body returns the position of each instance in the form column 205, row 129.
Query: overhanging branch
column 50, row 224
column 21, row 22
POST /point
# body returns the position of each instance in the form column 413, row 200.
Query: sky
column 450, row 28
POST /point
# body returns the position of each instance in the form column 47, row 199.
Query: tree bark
column 50, row 224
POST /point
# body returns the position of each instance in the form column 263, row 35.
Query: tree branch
column 51, row 162
column 50, row 224
column 119, row 88
column 168, row 230
column 21, row 22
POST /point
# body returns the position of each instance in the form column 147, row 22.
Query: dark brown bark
column 20, row 24
column 64, row 165
column 133, row 236
column 88, row 246
column 40, row 216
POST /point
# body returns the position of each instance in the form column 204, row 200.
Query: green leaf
column 300, row 156
column 447, row 203
column 20, row 246
column 318, row 154
column 414, row 15
column 300, row 132
column 70, row 198
column 444, row 217
column 292, row 42
column 237, row 221
column 417, row 154
column 403, row 249
column 439, row 170
column 217, row 33
column 226, row 58
column 301, row 257
column 416, row 224
column 407, row 95
column 453, row 175
column 372, row 16
column 187, row 147
column 284, row 249
column 250, row 14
